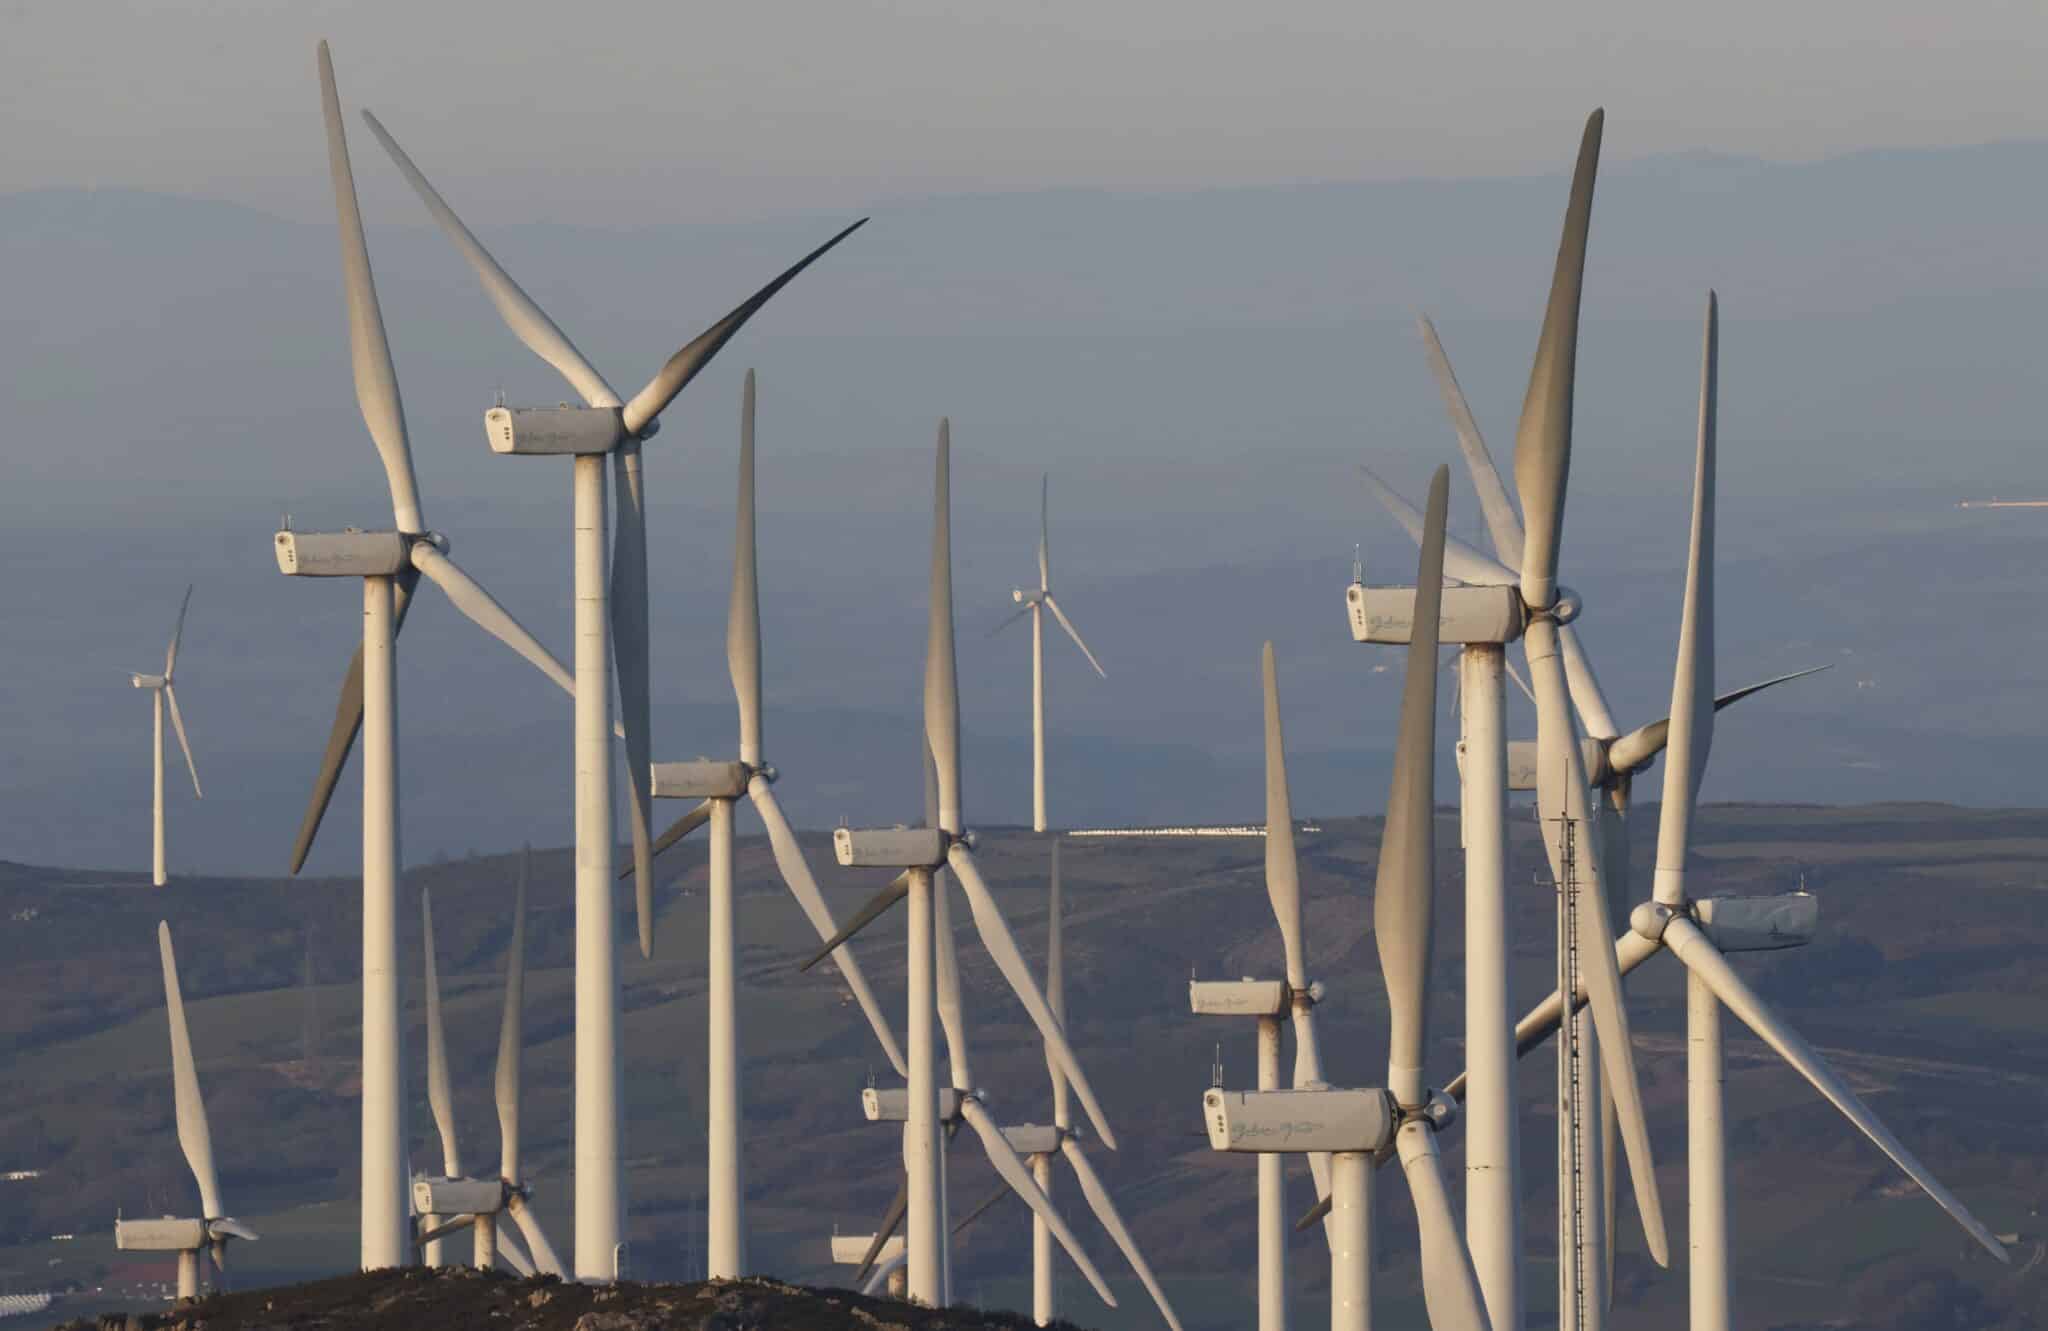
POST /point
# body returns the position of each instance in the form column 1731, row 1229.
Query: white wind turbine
column 922, row 851
column 1494, row 608
column 605, row 427
column 1403, row 1120
column 1271, row 1001
column 1613, row 760
column 452, row 1201
column 1699, row 935
column 213, row 1228
column 719, row 786
column 161, row 692
column 1035, row 605
column 390, row 564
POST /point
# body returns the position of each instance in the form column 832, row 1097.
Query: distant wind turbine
column 161, row 692
column 1035, row 604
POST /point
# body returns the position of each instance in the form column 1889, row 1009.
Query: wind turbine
column 922, row 851
column 453, row 1201
column 1271, row 1001
column 1612, row 761
column 605, row 427
column 390, row 564
column 161, row 692
column 1494, row 608
column 1699, row 932
column 214, row 1227
column 1404, row 1119
column 1035, row 604
column 719, row 786
column 1041, row 1144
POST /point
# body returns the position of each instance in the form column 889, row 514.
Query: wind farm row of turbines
column 1580, row 766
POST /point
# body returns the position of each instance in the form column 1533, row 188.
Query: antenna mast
column 1572, row 1276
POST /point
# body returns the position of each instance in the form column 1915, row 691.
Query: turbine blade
column 881, row 1277
column 1703, row 959
column 946, row 985
column 544, row 1259
column 1073, row 633
column 1002, row 948
column 528, row 322
column 369, row 352
column 1543, row 436
column 898, row 888
column 628, row 606
column 743, row 613
column 348, row 719
column 677, row 830
column 177, row 632
column 682, row 367
column 1403, row 887
column 193, row 1136
column 483, row 609
column 796, row 873
column 1503, row 524
column 1587, row 697
column 505, row 1083
column 998, row 1195
column 184, row 745
column 1056, row 989
column 1692, row 680
column 1283, row 870
column 1044, row 539
column 1561, row 798
column 514, row 1256
column 440, row 1088
column 1461, row 561
column 1113, row 1224
column 1012, row 1171
column 1011, row 619
column 890, row 1219
column 1450, row 1287
column 1639, row 747
column 941, row 675
column 1520, row 683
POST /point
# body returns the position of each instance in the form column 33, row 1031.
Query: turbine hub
column 1651, row 919
column 1565, row 608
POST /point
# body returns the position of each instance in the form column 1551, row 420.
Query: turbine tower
column 213, row 1228
column 610, row 629
column 718, row 787
column 1404, row 1119
column 922, row 851
column 1035, row 604
column 390, row 564
column 161, row 692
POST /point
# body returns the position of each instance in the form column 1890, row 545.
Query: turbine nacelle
column 1296, row 1121
column 895, row 847
column 1022, row 597
column 1468, row 614
column 458, row 1196
column 891, row 1104
column 351, row 553
column 559, row 430
column 704, row 779
column 147, row 681
column 1249, row 997
column 1738, row 924
column 163, row 1235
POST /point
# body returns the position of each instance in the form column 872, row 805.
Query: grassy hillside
column 1923, row 989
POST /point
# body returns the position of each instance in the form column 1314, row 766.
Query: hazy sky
column 685, row 111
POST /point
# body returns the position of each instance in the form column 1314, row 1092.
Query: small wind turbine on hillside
column 923, row 851
column 719, row 786
column 611, row 630
column 1404, row 1119
column 161, row 692
column 452, row 1201
column 1035, row 604
column 213, row 1228
column 390, row 564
